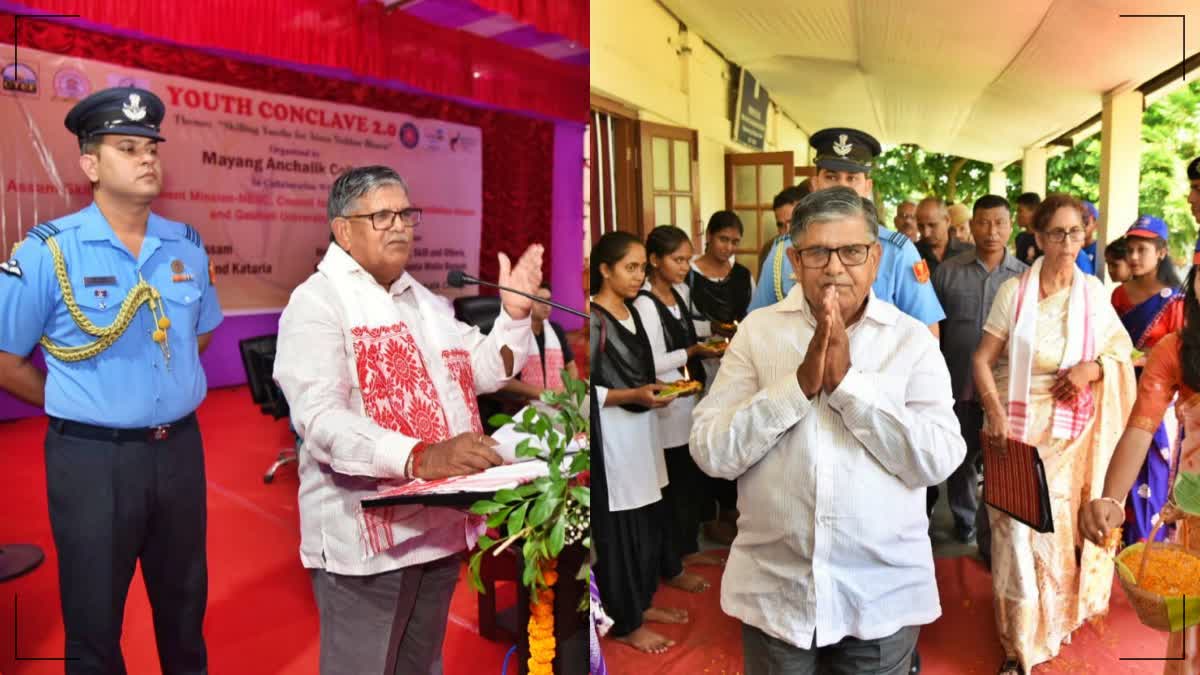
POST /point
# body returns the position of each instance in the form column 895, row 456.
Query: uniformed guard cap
column 127, row 111
column 844, row 149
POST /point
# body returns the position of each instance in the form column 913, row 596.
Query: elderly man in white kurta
column 381, row 380
column 833, row 411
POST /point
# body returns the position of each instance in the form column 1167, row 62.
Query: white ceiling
column 976, row 79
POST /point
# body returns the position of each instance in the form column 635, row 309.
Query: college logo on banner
column 436, row 139
column 409, row 136
column 120, row 80
column 20, row 78
column 71, row 84
column 461, row 143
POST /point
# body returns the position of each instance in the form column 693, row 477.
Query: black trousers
column 633, row 551
column 111, row 505
column 963, row 483
column 689, row 496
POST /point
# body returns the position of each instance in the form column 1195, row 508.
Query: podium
column 571, row 635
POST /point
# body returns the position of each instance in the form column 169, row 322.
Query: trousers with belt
column 117, row 498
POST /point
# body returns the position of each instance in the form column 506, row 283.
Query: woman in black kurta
column 630, row 531
column 720, row 292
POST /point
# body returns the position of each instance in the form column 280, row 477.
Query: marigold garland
column 1169, row 573
column 541, row 623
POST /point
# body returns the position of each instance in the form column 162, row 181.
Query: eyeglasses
column 386, row 219
column 1059, row 236
column 817, row 257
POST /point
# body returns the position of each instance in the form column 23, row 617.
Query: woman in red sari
column 1150, row 305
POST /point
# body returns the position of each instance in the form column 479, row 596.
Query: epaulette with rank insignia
column 897, row 238
column 43, row 231
column 193, row 236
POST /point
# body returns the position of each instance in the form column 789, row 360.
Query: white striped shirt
column 833, row 537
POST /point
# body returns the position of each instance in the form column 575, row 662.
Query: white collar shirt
column 833, row 537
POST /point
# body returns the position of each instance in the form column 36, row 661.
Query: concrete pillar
column 1120, row 159
column 997, row 182
column 1033, row 171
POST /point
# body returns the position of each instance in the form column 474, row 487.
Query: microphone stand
column 467, row 279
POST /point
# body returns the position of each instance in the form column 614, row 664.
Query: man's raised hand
column 525, row 276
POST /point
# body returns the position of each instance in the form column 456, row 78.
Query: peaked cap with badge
column 125, row 111
column 844, row 149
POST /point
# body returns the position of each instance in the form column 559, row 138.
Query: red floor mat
column 962, row 642
column 261, row 617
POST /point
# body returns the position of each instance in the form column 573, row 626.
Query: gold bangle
column 1116, row 503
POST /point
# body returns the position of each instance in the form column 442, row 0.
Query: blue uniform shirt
column 130, row 384
column 1086, row 260
column 896, row 281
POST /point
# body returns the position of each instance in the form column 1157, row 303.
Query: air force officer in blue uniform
column 122, row 302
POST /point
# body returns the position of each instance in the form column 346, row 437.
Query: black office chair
column 258, row 358
column 478, row 310
column 17, row 559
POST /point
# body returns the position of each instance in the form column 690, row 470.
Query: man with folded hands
column 833, row 411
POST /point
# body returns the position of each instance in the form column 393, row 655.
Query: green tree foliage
column 1170, row 138
column 907, row 172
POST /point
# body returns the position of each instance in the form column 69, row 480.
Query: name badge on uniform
column 99, row 281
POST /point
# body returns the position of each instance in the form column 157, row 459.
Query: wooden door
column 669, row 169
column 752, row 179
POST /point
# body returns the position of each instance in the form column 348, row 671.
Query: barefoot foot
column 665, row 615
column 646, row 641
column 692, row 583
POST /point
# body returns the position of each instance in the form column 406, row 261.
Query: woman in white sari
column 1053, row 370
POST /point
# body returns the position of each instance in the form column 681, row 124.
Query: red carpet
column 962, row 642
column 261, row 616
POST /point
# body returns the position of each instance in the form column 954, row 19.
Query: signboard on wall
column 750, row 114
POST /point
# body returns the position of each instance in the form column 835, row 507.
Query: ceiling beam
column 1191, row 64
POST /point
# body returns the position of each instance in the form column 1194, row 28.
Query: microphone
column 457, row 279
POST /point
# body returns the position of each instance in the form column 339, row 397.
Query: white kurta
column 368, row 372
column 675, row 420
column 634, row 463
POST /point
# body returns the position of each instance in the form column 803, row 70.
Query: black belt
column 143, row 435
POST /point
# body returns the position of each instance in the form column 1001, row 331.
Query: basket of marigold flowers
column 1161, row 580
